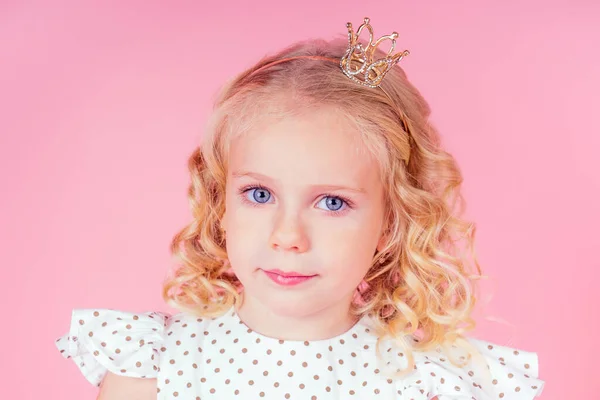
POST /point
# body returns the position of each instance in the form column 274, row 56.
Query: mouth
column 287, row 278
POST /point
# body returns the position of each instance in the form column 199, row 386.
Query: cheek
column 246, row 235
column 348, row 250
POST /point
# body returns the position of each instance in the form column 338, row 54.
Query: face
column 304, row 213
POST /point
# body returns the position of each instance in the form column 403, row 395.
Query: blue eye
column 332, row 203
column 260, row 195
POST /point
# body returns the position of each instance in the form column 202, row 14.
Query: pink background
column 100, row 105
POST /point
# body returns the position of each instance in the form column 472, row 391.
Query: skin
column 297, row 222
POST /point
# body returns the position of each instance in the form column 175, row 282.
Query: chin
column 289, row 306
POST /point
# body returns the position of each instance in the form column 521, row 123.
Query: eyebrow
column 257, row 176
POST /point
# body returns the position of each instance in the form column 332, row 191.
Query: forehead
column 319, row 146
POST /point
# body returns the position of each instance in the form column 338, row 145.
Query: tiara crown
column 358, row 62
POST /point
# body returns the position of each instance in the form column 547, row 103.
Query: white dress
column 221, row 358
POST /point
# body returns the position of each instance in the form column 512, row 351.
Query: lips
column 287, row 278
column 291, row 274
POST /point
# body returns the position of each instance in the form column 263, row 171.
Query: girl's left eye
column 332, row 203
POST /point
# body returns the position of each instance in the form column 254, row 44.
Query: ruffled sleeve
column 125, row 343
column 513, row 374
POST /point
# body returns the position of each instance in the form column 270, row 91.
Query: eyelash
column 247, row 188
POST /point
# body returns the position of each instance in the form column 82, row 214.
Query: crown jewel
column 358, row 63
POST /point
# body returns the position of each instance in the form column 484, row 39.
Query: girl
column 323, row 260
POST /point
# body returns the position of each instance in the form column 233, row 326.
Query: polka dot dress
column 221, row 358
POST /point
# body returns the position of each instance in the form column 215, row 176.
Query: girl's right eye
column 257, row 194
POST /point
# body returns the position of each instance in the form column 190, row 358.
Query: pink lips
column 287, row 278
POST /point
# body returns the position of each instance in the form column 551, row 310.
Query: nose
column 289, row 234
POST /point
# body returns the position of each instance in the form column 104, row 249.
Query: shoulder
column 495, row 371
column 124, row 343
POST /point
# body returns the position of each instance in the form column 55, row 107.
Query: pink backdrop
column 101, row 104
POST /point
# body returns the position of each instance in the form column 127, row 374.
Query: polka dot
column 157, row 345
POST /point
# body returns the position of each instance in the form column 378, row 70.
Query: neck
column 320, row 325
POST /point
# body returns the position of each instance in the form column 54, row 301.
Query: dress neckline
column 360, row 330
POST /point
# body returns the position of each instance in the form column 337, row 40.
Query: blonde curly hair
column 421, row 284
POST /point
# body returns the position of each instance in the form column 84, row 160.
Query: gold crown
column 358, row 63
